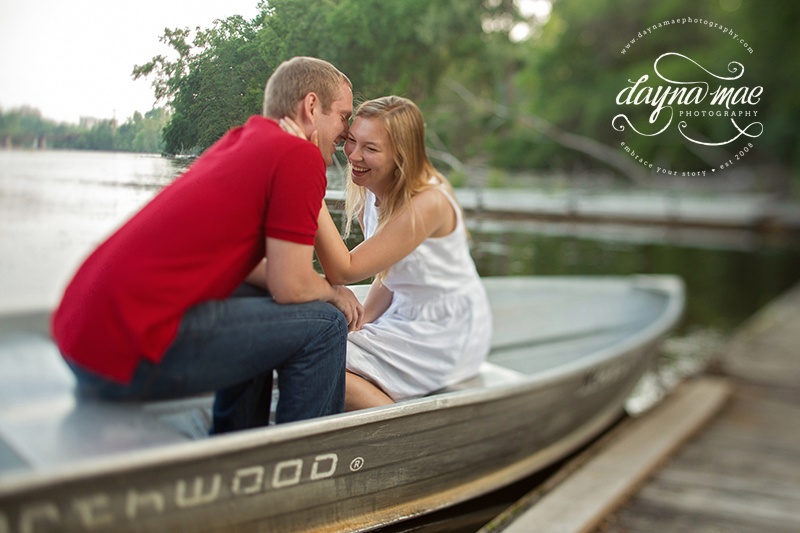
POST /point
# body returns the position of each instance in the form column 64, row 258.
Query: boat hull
column 350, row 472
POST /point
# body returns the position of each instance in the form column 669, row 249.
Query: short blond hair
column 295, row 78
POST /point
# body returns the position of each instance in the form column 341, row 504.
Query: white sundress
column 437, row 330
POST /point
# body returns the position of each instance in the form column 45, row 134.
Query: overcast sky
column 73, row 58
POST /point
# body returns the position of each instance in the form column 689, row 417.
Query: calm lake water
column 55, row 206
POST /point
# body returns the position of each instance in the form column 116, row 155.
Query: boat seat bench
column 490, row 375
column 42, row 423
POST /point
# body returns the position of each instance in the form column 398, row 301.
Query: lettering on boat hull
column 97, row 510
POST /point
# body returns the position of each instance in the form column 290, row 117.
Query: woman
column 427, row 322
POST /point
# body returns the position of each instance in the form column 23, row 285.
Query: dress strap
column 453, row 202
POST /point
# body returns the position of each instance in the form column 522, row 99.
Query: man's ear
column 310, row 108
column 306, row 113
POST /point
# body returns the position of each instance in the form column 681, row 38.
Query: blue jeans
column 232, row 347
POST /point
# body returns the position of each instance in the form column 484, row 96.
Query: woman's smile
column 358, row 171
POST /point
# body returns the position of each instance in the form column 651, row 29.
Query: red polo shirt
column 195, row 241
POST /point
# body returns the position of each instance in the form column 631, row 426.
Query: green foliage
column 498, row 178
column 142, row 133
column 454, row 56
column 574, row 71
column 215, row 79
column 214, row 82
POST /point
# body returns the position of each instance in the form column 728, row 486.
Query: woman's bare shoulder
column 436, row 209
column 433, row 197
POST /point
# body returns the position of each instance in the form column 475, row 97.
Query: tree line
column 500, row 86
column 544, row 102
column 25, row 127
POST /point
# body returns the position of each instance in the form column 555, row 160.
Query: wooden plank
column 765, row 350
column 581, row 501
column 740, row 474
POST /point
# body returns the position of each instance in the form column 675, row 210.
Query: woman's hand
column 346, row 301
column 290, row 126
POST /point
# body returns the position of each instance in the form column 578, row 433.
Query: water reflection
column 726, row 279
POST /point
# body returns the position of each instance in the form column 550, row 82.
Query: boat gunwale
column 198, row 450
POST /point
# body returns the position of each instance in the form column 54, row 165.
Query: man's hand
column 344, row 300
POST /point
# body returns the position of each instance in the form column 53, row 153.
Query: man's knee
column 332, row 320
column 340, row 322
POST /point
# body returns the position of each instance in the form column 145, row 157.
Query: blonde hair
column 406, row 128
column 294, row 79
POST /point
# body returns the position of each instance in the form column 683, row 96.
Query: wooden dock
column 697, row 463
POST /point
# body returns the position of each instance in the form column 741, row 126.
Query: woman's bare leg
column 361, row 394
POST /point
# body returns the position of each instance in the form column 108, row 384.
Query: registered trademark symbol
column 356, row 464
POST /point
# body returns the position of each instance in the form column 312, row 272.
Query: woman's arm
column 292, row 279
column 378, row 300
column 428, row 213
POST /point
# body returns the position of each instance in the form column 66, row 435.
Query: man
column 159, row 310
